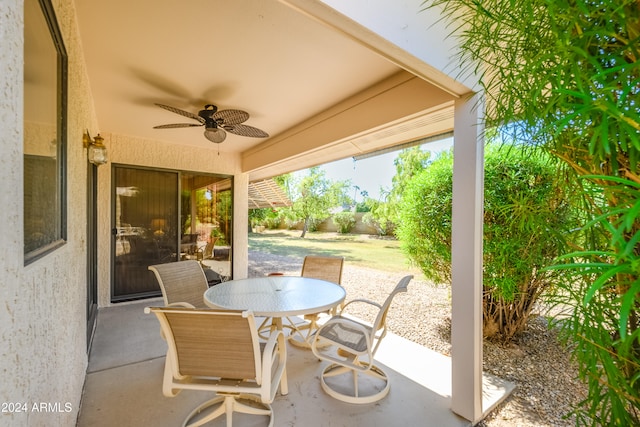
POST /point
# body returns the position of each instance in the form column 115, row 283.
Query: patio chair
column 327, row 268
column 189, row 248
column 218, row 351
column 183, row 283
column 350, row 345
column 208, row 251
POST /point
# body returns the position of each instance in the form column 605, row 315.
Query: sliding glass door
column 161, row 216
column 145, row 229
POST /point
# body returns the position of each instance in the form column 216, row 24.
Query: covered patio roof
column 326, row 79
column 319, row 93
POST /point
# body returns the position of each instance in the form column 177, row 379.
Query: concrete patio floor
column 123, row 386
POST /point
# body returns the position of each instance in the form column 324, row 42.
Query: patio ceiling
column 320, row 94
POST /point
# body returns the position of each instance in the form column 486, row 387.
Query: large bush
column 525, row 220
column 379, row 217
column 344, row 221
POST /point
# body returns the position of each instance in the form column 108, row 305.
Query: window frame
column 61, row 91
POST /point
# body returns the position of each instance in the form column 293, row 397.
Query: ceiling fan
column 216, row 123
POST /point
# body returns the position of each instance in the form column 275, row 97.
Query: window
column 45, row 100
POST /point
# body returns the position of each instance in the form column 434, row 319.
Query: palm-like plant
column 566, row 75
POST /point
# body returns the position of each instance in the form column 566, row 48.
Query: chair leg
column 354, row 374
column 214, row 414
column 167, row 378
column 228, row 404
column 334, row 370
column 299, row 339
column 238, row 406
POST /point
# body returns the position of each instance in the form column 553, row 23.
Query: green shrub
column 345, row 221
column 525, row 222
column 313, row 223
column 272, row 221
column 378, row 219
column 268, row 217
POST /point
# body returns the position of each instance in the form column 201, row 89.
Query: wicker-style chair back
column 207, row 252
column 327, row 268
column 183, row 283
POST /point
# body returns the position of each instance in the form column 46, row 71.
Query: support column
column 240, row 225
column 466, row 259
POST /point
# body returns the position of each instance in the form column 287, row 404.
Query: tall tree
column 409, row 163
column 314, row 197
column 566, row 75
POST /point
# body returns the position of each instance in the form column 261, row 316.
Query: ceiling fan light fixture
column 215, row 135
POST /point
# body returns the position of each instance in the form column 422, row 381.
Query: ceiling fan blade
column 181, row 112
column 244, row 130
column 231, row 117
column 215, row 135
column 178, row 125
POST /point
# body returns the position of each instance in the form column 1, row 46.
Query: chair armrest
column 271, row 349
column 361, row 300
column 274, row 354
column 181, row 304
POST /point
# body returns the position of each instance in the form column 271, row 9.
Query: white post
column 240, row 226
column 466, row 259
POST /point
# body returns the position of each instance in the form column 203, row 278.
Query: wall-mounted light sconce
column 96, row 151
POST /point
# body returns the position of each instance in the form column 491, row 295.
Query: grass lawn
column 357, row 249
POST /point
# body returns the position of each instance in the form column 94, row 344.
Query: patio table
column 276, row 297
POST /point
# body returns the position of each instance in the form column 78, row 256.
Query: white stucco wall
column 42, row 315
column 43, row 354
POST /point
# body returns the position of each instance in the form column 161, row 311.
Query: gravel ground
column 545, row 379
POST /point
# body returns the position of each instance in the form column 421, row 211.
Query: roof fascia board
column 414, row 39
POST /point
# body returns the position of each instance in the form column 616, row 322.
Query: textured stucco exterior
column 42, row 315
column 43, row 325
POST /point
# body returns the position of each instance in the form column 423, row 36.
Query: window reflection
column 206, row 221
column 44, row 131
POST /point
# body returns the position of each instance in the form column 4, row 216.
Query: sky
column 374, row 172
